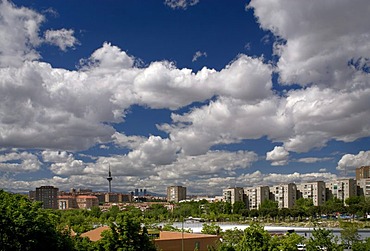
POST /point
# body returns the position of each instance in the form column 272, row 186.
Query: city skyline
column 200, row 94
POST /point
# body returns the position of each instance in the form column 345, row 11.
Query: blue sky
column 204, row 94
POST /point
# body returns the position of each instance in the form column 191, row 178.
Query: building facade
column 285, row 195
column 87, row 201
column 67, row 202
column 341, row 189
column 48, row 195
column 362, row 172
column 176, row 193
column 256, row 195
column 233, row 195
column 363, row 187
column 315, row 190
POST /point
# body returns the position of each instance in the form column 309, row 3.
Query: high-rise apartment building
column 233, row 195
column 315, row 190
column 256, row 195
column 176, row 193
column 341, row 189
column 285, row 195
column 362, row 172
column 48, row 195
column 363, row 187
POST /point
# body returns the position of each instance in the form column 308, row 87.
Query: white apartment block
column 312, row 190
column 285, row 195
column 341, row 189
column 233, row 195
column 256, row 195
column 363, row 186
column 176, row 193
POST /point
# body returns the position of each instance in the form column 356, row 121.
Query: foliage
column 349, row 233
column 126, row 234
column 211, row 229
column 255, row 238
column 26, row 226
column 289, row 242
column 239, row 207
column 323, row 239
column 269, row 208
column 361, row 245
column 333, row 205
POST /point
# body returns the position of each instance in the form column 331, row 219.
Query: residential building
column 341, row 189
column 362, row 172
column 233, row 195
column 315, row 190
column 256, row 195
column 67, row 202
column 117, row 198
column 176, row 193
column 48, row 195
column 284, row 194
column 87, row 201
column 363, row 187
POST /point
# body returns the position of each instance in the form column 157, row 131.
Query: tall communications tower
column 109, row 178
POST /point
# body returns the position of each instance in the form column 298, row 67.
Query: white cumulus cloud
column 350, row 162
column 278, row 156
column 62, row 38
column 180, row 4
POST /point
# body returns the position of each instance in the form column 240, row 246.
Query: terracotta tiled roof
column 86, row 197
column 95, row 234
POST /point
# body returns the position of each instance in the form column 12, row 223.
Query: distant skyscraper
column 109, row 178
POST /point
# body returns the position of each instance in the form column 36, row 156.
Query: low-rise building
column 87, row 201
column 67, row 202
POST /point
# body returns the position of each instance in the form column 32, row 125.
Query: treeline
column 24, row 225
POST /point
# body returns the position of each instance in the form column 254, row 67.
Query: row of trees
column 257, row 239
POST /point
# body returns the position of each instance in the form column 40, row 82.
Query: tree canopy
column 26, row 226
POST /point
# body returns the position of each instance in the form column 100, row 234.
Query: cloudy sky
column 200, row 93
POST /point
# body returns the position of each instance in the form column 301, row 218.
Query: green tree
column 230, row 238
column 126, row 234
column 255, row 238
column 26, row 226
column 289, row 242
column 211, row 229
column 322, row 239
column 333, row 205
column 349, row 233
column 239, row 207
column 361, row 245
column 269, row 208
